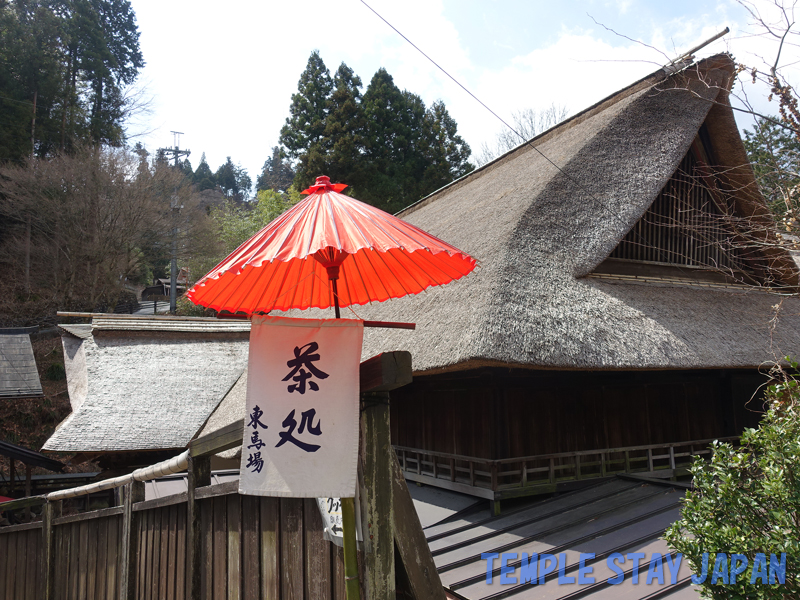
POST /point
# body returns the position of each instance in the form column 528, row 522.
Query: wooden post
column 376, row 497
column 129, row 551
column 28, row 482
column 378, row 376
column 199, row 476
column 50, row 511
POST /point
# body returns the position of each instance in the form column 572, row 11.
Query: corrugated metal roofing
column 19, row 377
column 615, row 516
column 29, row 457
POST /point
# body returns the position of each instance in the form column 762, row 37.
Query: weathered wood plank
column 157, row 529
column 270, row 518
column 4, row 542
column 129, row 546
column 21, row 527
column 145, row 577
column 101, row 559
column 95, row 514
column 225, row 438
column 166, row 528
column 385, row 372
column 220, row 549
column 112, row 561
column 291, row 549
column 74, row 562
column 199, row 475
column 251, row 576
column 376, row 496
column 234, row 516
column 410, row 540
column 23, row 503
column 172, row 559
column 220, row 489
column 62, row 561
column 160, row 502
column 163, row 551
column 20, row 552
column 339, row 590
column 180, row 553
column 207, row 556
column 317, row 553
column 89, row 544
column 34, row 549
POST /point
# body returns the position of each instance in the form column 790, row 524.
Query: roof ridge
column 650, row 80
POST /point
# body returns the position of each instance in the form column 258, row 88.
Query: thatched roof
column 146, row 383
column 19, row 377
column 538, row 231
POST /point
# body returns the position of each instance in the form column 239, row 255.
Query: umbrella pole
column 350, row 547
column 335, row 298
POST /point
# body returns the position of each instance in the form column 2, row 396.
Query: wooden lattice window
column 685, row 226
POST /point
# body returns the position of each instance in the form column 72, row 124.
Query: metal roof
column 620, row 515
column 19, row 377
column 29, row 457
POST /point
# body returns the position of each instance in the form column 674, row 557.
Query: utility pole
column 175, row 153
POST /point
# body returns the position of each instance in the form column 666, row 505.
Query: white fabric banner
column 301, row 427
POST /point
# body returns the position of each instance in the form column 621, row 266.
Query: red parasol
column 373, row 255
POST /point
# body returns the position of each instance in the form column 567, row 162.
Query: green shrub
column 746, row 501
column 55, row 372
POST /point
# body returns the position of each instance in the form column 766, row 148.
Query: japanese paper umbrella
column 365, row 253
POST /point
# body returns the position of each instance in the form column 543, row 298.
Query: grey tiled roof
column 18, row 375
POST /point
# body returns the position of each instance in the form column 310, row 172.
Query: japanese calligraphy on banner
column 301, row 427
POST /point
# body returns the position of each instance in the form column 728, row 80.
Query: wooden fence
column 250, row 548
column 214, row 544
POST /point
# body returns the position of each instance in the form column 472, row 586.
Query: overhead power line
column 675, row 65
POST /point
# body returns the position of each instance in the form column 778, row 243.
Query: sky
column 224, row 73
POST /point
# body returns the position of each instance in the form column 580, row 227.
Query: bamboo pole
column 350, row 549
column 349, row 545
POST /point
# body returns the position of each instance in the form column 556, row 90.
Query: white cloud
column 225, row 77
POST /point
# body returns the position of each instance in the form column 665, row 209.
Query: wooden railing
column 493, row 479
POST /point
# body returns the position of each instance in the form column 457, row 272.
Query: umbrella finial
column 322, row 185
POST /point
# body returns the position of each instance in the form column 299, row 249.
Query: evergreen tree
column 73, row 60
column 203, row 177
column 446, row 152
column 277, row 173
column 386, row 145
column 341, row 148
column 305, row 126
column 774, row 152
column 234, row 180
column 386, row 139
column 186, row 168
